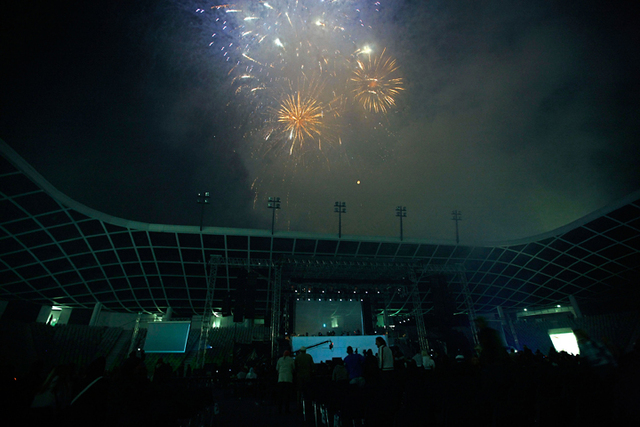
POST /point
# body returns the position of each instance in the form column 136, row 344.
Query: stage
column 323, row 352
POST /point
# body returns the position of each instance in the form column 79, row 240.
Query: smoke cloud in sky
column 522, row 115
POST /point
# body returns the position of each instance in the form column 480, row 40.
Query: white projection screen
column 563, row 339
column 167, row 337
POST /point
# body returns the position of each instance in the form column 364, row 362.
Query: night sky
column 524, row 115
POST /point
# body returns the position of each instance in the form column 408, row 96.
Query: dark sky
column 521, row 114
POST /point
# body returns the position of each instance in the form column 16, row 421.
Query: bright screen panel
column 564, row 340
column 314, row 317
column 321, row 350
column 167, row 337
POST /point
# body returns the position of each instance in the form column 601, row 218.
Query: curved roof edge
column 630, row 198
column 62, row 198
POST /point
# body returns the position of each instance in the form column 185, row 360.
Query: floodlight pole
column 457, row 216
column 401, row 212
column 273, row 204
column 340, row 208
column 203, row 199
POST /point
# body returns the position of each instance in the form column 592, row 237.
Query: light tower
column 274, row 204
column 401, row 212
column 457, row 216
column 340, row 208
column 203, row 199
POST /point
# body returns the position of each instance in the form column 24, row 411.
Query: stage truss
column 399, row 281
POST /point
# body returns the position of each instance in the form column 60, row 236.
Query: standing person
column 385, row 356
column 386, row 391
column 427, row 362
column 304, row 372
column 595, row 354
column 340, row 374
column 92, row 405
column 251, row 375
column 354, row 363
column 418, row 359
column 56, row 392
column 285, row 368
column 492, row 351
column 162, row 373
column 133, row 366
column 370, row 371
column 493, row 359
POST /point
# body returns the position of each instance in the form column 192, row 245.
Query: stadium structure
column 64, row 262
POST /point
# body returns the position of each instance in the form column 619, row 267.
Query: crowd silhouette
column 383, row 388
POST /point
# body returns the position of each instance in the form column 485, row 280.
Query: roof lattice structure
column 57, row 251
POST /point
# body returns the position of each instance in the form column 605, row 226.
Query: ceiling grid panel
column 76, row 255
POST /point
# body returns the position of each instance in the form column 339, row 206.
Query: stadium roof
column 57, row 251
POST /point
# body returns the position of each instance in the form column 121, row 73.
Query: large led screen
column 564, row 340
column 167, row 337
column 321, row 317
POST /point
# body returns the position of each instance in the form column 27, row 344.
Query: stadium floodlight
column 401, row 212
column 340, row 208
column 456, row 216
column 273, row 204
column 203, row 199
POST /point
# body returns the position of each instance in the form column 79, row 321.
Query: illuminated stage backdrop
column 314, row 317
column 323, row 353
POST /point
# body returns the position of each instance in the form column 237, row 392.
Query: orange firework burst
column 304, row 115
column 375, row 86
column 301, row 116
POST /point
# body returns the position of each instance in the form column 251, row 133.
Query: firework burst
column 375, row 83
column 290, row 65
column 301, row 118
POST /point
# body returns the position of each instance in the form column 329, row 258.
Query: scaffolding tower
column 418, row 313
column 275, row 310
column 207, row 314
